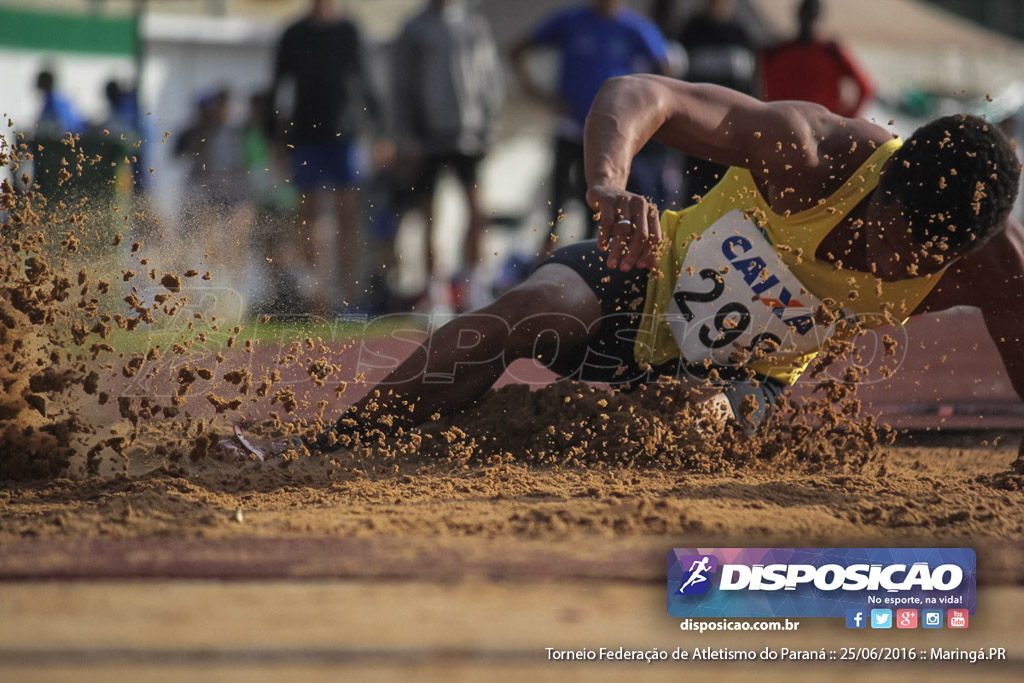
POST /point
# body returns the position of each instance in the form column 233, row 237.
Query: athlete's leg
column 306, row 248
column 472, row 245
column 343, row 172
column 307, row 176
column 553, row 310
column 347, row 244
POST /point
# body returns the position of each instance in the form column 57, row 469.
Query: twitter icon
column 881, row 618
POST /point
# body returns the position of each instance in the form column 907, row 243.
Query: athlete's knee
column 479, row 334
column 471, row 339
column 541, row 320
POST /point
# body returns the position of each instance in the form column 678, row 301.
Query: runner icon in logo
column 697, row 570
column 697, row 575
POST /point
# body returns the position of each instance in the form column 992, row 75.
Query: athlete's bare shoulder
column 850, row 142
column 816, row 152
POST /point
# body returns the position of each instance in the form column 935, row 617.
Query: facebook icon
column 856, row 618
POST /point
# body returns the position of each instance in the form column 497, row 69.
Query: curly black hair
column 956, row 180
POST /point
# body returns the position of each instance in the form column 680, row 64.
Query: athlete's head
column 45, row 80
column 954, row 181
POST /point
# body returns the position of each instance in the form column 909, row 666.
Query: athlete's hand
column 630, row 230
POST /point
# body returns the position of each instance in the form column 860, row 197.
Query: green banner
column 90, row 33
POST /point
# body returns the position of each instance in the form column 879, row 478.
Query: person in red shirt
column 814, row 69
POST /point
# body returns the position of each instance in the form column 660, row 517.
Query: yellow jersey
column 735, row 273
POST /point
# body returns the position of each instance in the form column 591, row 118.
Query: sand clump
column 55, row 323
column 571, row 424
column 36, row 427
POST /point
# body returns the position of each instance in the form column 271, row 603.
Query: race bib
column 757, row 303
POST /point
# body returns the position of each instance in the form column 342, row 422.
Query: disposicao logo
column 822, row 582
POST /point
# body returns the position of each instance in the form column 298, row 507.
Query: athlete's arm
column 785, row 145
column 991, row 279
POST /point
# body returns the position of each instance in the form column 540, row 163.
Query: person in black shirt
column 321, row 94
column 719, row 51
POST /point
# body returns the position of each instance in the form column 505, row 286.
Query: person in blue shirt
column 595, row 42
column 58, row 115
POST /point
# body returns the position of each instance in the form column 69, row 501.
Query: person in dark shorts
column 719, row 50
column 466, row 170
column 323, row 96
column 449, row 88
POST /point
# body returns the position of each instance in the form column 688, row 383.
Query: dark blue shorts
column 332, row 165
column 464, row 166
column 608, row 356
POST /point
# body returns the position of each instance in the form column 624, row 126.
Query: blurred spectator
column 215, row 184
column 273, row 203
column 719, row 50
column 58, row 114
column 122, row 110
column 815, row 69
column 213, row 149
column 122, row 121
column 448, row 90
column 323, row 92
column 595, row 42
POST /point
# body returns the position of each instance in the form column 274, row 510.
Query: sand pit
column 934, row 492
column 118, row 386
column 118, row 390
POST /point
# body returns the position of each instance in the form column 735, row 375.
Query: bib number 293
column 731, row 321
column 735, row 292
